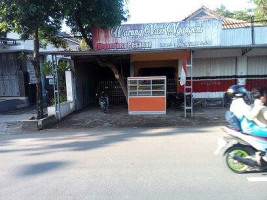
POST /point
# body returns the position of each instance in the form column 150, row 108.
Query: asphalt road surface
column 119, row 163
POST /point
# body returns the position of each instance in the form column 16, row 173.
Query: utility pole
column 252, row 30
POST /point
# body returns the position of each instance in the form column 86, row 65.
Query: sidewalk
column 11, row 121
column 118, row 117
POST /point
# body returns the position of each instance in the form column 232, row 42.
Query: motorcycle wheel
column 106, row 109
column 102, row 108
column 235, row 165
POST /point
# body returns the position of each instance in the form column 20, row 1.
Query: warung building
column 216, row 51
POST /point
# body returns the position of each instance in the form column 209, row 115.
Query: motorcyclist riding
column 244, row 150
column 242, row 112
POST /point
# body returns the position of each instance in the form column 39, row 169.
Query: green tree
column 62, row 67
column 83, row 15
column 37, row 20
column 260, row 11
column 241, row 14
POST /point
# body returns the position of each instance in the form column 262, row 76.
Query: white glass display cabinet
column 147, row 95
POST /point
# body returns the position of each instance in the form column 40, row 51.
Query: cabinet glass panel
column 133, row 88
column 158, row 87
column 158, row 93
column 132, row 82
column 160, row 81
column 144, row 93
column 133, row 93
column 144, row 82
column 144, row 87
column 147, row 87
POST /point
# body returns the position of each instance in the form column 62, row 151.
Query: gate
column 9, row 85
column 113, row 89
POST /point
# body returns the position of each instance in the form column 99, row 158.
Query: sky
column 152, row 11
column 156, row 11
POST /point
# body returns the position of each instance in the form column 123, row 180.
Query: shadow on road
column 40, row 168
column 82, row 140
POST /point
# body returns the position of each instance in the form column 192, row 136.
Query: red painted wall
column 221, row 85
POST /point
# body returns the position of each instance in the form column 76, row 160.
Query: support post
column 56, row 88
column 69, row 85
column 131, row 69
column 252, row 31
column 188, row 87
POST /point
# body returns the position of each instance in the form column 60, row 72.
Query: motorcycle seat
column 258, row 137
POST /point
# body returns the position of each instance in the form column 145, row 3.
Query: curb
column 34, row 125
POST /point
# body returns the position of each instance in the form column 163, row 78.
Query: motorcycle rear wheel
column 106, row 109
column 234, row 165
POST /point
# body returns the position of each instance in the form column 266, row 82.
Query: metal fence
column 113, row 89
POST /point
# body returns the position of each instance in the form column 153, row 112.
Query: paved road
column 165, row 163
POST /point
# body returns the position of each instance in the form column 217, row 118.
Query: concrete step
column 12, row 103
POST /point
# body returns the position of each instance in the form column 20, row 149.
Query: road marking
column 257, row 179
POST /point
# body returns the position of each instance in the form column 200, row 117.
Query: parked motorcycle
column 103, row 101
column 243, row 153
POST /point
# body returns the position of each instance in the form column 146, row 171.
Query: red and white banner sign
column 175, row 35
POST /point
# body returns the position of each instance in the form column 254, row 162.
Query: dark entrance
column 169, row 72
column 94, row 79
column 159, row 71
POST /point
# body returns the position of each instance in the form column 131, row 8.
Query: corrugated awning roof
column 129, row 52
column 107, row 52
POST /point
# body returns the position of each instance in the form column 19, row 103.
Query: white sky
column 151, row 11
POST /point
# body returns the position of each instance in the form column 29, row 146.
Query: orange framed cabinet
column 147, row 95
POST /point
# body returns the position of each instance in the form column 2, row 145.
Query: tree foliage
column 23, row 16
column 83, row 46
column 62, row 66
column 241, row 14
column 33, row 19
column 82, row 15
column 259, row 12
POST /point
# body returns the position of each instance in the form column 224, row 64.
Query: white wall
column 257, row 65
column 223, row 53
column 66, row 108
column 214, row 67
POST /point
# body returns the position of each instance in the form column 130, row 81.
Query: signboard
column 175, row 35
